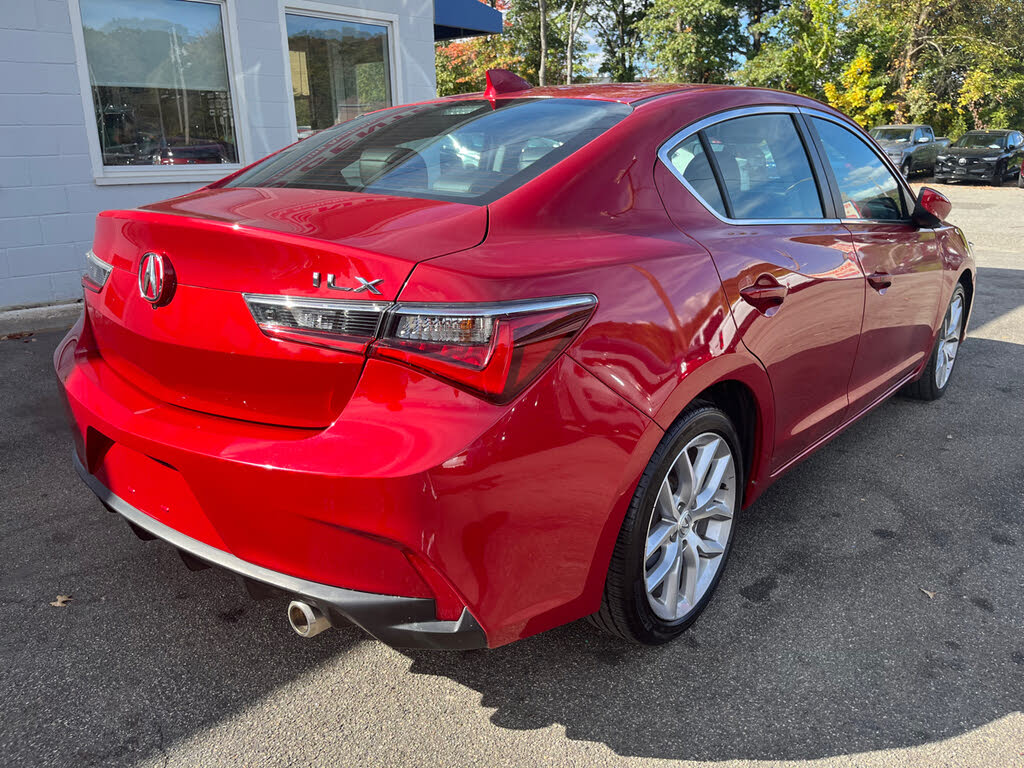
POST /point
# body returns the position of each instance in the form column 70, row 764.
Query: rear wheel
column 674, row 541
column 939, row 370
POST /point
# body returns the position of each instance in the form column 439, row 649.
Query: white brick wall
column 48, row 196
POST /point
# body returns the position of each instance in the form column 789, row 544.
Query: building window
column 158, row 74
column 340, row 69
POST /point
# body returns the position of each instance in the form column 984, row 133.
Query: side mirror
column 923, row 140
column 932, row 208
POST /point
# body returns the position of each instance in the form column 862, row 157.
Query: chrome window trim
column 769, row 109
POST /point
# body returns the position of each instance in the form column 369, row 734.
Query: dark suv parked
column 992, row 156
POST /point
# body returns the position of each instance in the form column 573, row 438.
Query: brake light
column 496, row 350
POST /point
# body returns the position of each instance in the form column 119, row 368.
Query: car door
column 902, row 262
column 1017, row 154
column 786, row 262
column 929, row 151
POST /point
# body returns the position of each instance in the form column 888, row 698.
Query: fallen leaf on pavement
column 61, row 601
column 14, row 336
column 930, row 594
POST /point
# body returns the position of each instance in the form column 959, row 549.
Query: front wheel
column 939, row 370
column 1020, row 178
column 905, row 169
column 677, row 533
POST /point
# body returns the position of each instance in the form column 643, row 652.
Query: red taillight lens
column 495, row 350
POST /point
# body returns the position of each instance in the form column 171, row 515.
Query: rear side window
column 868, row 188
column 764, row 168
column 692, row 164
column 750, row 168
column 469, row 151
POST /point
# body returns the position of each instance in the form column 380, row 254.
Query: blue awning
column 464, row 18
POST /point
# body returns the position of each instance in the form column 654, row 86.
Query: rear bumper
column 418, row 496
column 401, row 622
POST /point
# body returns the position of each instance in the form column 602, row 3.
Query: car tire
column 999, row 176
column 938, row 372
column 696, row 536
column 1020, row 178
column 906, row 169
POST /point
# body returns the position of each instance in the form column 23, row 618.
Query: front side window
column 763, row 168
column 462, row 150
column 159, row 79
column 868, row 188
column 340, row 70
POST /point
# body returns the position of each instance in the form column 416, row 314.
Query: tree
column 542, row 12
column 578, row 12
column 858, row 94
column 523, row 24
column 617, row 28
column 692, row 40
column 801, row 49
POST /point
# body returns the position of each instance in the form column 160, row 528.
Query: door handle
column 765, row 295
column 879, row 281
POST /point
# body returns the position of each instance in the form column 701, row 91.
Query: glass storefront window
column 340, row 69
column 159, row 79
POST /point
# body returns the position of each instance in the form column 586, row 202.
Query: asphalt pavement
column 872, row 613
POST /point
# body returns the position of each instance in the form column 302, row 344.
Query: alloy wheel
column 949, row 340
column 690, row 526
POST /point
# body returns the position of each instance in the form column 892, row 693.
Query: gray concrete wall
column 49, row 196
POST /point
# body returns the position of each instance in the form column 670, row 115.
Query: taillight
column 96, row 272
column 496, row 350
column 345, row 325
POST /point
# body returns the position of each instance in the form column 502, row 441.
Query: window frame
column 828, row 189
column 166, row 174
column 320, row 10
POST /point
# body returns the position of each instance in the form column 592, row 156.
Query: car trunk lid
column 202, row 349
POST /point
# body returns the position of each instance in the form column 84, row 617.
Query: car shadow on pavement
column 873, row 598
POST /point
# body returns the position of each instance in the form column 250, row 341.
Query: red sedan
column 462, row 371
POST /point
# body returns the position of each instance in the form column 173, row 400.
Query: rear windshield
column 468, row 151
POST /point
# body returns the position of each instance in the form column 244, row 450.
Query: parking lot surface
column 872, row 613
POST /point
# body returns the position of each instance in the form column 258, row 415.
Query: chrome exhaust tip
column 307, row 620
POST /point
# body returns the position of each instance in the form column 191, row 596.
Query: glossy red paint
column 353, row 471
column 935, row 202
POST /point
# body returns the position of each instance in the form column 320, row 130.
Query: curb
column 33, row 319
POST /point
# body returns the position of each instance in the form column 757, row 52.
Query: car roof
column 992, row 130
column 625, row 93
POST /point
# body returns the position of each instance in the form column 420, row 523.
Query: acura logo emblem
column 156, row 279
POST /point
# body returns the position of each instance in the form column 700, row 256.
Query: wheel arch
column 737, row 384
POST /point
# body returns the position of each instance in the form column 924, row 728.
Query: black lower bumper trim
column 401, row 622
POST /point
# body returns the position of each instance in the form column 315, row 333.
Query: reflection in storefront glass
column 340, row 70
column 159, row 79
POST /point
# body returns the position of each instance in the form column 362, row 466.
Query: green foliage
column 692, row 41
column 955, row 64
column 858, row 94
column 616, row 25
